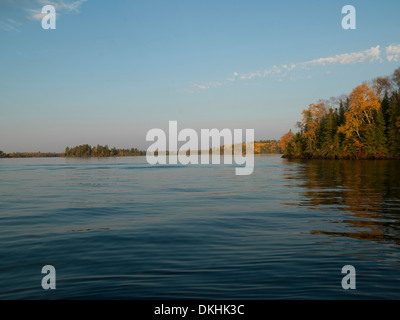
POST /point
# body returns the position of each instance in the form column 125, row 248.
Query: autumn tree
column 396, row 78
column 364, row 124
column 286, row 139
column 312, row 118
column 381, row 86
column 363, row 104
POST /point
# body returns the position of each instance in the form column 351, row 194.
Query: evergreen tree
column 375, row 138
column 327, row 134
column 365, row 125
column 393, row 132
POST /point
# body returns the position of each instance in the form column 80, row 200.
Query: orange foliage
column 311, row 121
column 286, row 139
column 363, row 103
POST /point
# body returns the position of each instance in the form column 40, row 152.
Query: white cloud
column 235, row 74
column 61, row 6
column 207, row 85
column 262, row 74
column 250, row 75
column 393, row 52
column 64, row 5
column 32, row 10
column 292, row 67
column 35, row 14
column 372, row 54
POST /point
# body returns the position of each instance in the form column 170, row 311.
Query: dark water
column 117, row 228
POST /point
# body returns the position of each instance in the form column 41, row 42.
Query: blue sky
column 112, row 70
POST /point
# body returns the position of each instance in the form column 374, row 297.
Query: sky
column 113, row 70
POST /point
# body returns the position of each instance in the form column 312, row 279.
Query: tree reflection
column 366, row 194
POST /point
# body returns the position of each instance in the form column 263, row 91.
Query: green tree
column 393, row 132
column 375, row 139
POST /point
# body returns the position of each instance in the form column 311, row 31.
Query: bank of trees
column 362, row 125
column 268, row 146
column 86, row 150
column 30, row 154
column 260, row 147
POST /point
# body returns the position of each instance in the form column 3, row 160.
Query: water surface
column 118, row 228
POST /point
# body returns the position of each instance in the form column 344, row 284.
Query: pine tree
column 393, row 132
column 375, row 138
column 327, row 134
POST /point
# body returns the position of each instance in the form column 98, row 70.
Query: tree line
column 268, row 146
column 260, row 147
column 86, row 150
column 362, row 125
column 30, row 154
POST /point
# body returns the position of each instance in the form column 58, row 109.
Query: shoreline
column 353, row 157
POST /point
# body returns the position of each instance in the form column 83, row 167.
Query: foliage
column 29, row 154
column 86, row 150
column 268, row 146
column 363, row 125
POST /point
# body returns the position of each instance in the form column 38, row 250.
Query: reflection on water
column 367, row 191
column 117, row 228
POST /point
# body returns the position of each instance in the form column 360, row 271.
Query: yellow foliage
column 363, row 103
column 311, row 121
column 285, row 140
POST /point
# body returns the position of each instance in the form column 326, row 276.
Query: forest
column 362, row 125
column 86, row 150
column 30, row 154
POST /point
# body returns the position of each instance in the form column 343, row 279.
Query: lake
column 118, row 228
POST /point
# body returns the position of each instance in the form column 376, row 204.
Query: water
column 117, row 228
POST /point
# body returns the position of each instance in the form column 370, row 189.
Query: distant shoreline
column 22, row 155
column 87, row 151
column 31, row 155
